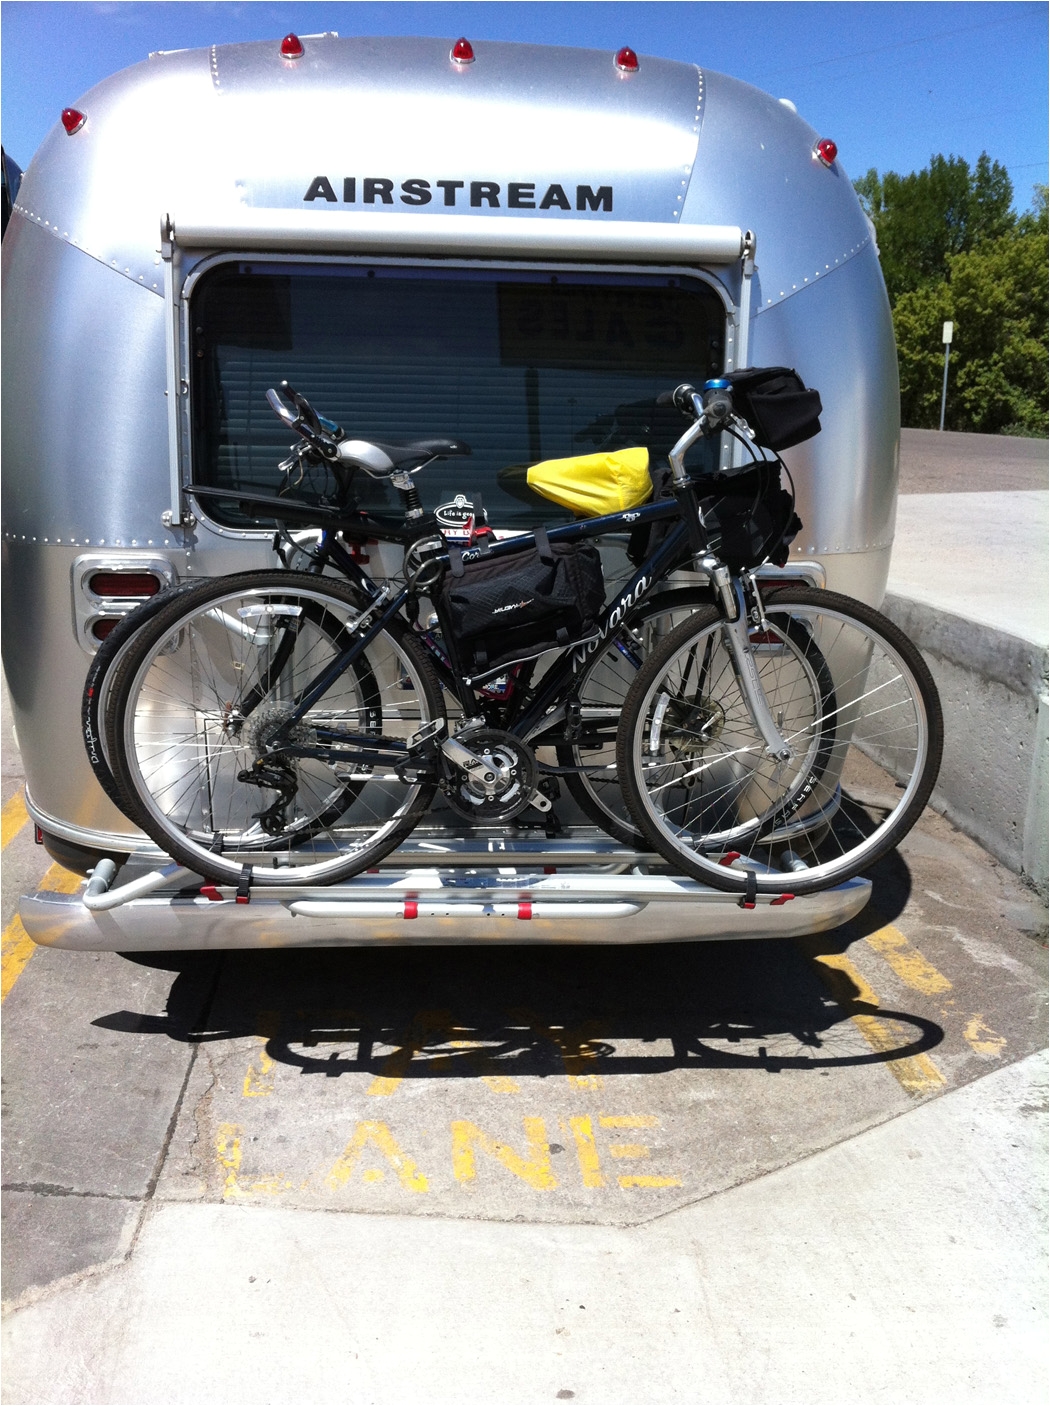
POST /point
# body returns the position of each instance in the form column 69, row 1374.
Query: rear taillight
column 105, row 626
column 123, row 585
column 72, row 120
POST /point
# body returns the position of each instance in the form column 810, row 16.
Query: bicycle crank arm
column 465, row 759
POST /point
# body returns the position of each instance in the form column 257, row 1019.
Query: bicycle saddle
column 382, row 457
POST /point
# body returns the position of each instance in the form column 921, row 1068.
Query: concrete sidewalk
column 900, row 1266
column 968, row 583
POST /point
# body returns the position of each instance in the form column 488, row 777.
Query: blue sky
column 891, row 83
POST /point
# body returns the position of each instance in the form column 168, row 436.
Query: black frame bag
column 507, row 608
column 776, row 404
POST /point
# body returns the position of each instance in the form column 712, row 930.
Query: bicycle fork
column 741, row 608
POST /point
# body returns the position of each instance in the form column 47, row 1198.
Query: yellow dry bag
column 592, row 485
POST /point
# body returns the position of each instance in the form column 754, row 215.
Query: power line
column 903, row 44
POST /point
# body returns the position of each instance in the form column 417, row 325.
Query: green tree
column 996, row 295
column 924, row 219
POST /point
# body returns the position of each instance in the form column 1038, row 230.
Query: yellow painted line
column 13, row 818
column 922, row 976
column 916, row 1074
column 16, row 946
column 628, row 1149
column 909, row 964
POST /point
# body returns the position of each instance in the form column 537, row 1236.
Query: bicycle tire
column 601, row 687
column 883, row 734
column 181, row 743
column 96, row 691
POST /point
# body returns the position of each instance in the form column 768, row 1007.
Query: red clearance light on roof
column 825, row 151
column 627, row 60
column 292, row 47
column 72, row 120
column 462, row 51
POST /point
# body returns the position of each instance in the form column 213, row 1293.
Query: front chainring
column 514, row 764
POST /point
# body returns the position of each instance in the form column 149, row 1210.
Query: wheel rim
column 189, row 733
column 861, row 779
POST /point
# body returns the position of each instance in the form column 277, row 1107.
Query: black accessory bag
column 754, row 523
column 515, row 607
column 776, row 404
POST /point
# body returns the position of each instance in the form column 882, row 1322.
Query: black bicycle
column 293, row 726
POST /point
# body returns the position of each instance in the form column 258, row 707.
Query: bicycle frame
column 548, row 706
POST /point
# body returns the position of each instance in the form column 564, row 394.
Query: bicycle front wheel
column 858, row 708
column 194, row 719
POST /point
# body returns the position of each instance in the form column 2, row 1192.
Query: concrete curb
column 993, row 687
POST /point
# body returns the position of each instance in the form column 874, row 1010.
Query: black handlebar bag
column 515, row 607
column 776, row 404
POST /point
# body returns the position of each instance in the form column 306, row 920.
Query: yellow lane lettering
column 17, row 946
column 13, row 818
column 534, row 1169
column 228, row 1151
column 436, row 1029
column 916, row 1074
column 634, row 1150
column 582, row 1130
column 258, row 1082
column 375, row 1135
column 577, row 1046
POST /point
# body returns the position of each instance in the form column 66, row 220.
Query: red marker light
column 627, row 60
column 462, row 51
column 292, row 47
column 72, row 120
column 825, row 151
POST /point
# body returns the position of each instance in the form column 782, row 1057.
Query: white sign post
column 946, row 337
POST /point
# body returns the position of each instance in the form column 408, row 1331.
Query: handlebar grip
column 681, row 398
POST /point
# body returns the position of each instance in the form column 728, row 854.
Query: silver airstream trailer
column 504, row 242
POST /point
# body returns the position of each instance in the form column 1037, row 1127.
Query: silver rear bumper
column 579, row 888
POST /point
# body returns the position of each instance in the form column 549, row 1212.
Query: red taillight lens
column 123, row 585
column 292, row 47
column 101, row 628
column 627, row 60
column 825, row 151
column 72, row 120
column 462, row 51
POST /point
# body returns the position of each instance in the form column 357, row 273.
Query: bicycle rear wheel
column 601, row 687
column 852, row 697
column 196, row 703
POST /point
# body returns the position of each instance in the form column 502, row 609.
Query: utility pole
column 946, row 336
